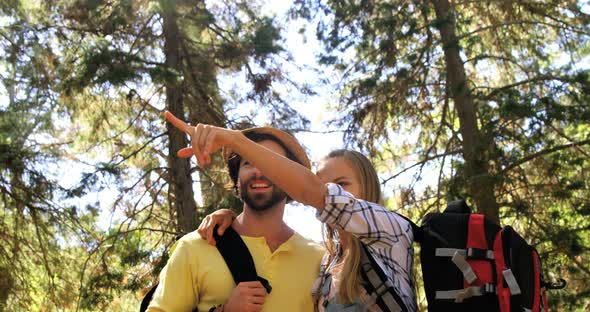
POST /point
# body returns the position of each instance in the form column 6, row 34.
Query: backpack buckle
column 459, row 295
column 480, row 254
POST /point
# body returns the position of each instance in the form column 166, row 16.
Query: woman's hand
column 222, row 217
column 205, row 139
column 293, row 178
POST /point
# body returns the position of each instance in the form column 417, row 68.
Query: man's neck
column 268, row 224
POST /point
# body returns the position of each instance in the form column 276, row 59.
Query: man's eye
column 343, row 184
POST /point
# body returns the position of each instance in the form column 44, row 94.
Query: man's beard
column 261, row 202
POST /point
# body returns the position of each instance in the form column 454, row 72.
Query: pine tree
column 95, row 78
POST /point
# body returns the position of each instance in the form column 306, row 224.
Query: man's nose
column 256, row 173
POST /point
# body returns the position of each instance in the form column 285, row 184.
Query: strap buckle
column 482, row 254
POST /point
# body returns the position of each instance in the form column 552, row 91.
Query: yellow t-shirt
column 196, row 275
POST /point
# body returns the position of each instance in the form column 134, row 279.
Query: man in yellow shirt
column 196, row 275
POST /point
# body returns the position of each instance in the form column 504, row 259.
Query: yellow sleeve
column 177, row 290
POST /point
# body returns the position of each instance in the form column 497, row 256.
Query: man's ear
column 237, row 188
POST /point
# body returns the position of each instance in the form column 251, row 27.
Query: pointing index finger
column 181, row 125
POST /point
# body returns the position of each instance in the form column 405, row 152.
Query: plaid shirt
column 387, row 235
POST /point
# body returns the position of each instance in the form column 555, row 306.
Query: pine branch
column 420, row 163
column 519, row 23
column 540, row 78
column 541, row 153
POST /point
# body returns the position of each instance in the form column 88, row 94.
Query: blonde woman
column 346, row 193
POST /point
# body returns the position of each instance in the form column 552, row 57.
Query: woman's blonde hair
column 350, row 285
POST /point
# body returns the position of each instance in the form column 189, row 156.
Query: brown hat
column 288, row 140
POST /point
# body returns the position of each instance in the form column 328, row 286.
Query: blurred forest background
column 490, row 98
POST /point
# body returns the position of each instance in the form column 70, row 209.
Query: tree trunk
column 214, row 177
column 181, row 183
column 481, row 183
column 205, row 106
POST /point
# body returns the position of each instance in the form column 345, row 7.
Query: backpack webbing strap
column 509, row 278
column 459, row 258
column 238, row 258
column 378, row 286
column 511, row 282
column 461, row 263
column 470, row 253
column 461, row 294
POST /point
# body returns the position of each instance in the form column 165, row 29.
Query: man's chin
column 260, row 207
column 262, row 201
column 257, row 202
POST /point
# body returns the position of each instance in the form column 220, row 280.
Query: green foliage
column 97, row 295
column 265, row 39
column 163, row 75
column 104, row 283
column 104, row 65
column 6, row 285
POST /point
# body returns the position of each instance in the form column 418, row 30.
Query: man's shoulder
column 191, row 242
column 192, row 238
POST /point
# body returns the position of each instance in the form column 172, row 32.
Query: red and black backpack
column 471, row 264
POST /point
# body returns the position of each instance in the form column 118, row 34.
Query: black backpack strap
column 377, row 285
column 238, row 258
column 145, row 302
